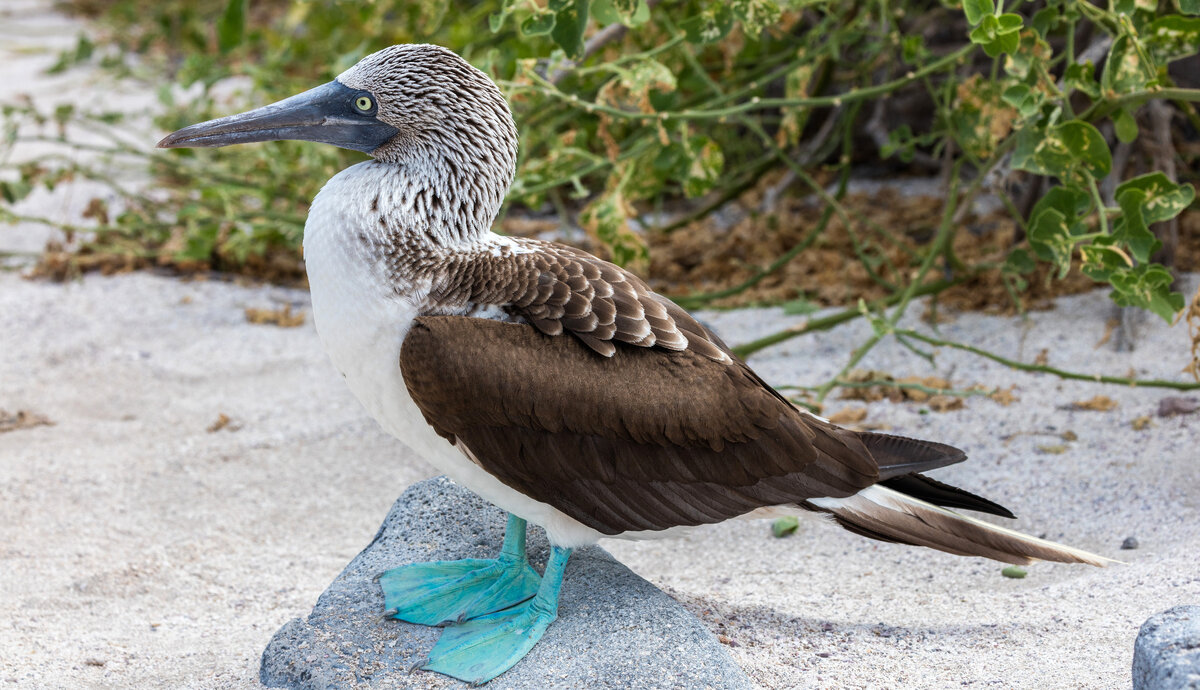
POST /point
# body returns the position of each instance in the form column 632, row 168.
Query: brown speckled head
column 448, row 113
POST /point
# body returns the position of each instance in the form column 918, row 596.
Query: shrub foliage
column 638, row 116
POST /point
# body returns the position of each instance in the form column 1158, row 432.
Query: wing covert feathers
column 560, row 289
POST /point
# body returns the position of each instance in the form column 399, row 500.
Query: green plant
column 661, row 113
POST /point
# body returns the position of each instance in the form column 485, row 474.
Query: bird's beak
column 326, row 114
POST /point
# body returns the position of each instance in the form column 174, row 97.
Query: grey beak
column 325, row 114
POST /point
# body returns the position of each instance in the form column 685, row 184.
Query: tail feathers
column 897, row 455
column 938, row 493
column 883, row 513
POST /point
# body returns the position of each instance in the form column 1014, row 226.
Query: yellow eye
column 363, row 103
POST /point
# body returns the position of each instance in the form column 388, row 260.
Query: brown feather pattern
column 558, row 289
column 608, row 441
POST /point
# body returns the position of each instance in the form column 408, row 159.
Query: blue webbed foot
column 482, row 648
column 453, row 591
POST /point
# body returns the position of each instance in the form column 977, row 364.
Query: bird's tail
column 886, row 514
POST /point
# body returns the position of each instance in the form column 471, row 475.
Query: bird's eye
column 363, row 104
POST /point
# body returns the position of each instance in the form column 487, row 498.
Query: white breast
column 362, row 321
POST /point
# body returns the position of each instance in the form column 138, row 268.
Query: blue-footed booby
column 554, row 384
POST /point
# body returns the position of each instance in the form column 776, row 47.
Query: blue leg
column 452, row 591
column 482, row 648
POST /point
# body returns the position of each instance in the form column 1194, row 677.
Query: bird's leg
column 482, row 648
column 452, row 591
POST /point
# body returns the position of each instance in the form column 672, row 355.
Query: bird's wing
column 645, row 439
column 560, row 289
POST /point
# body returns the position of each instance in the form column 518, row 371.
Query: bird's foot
column 482, row 648
column 452, row 591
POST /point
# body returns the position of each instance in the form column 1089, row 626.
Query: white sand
column 140, row 550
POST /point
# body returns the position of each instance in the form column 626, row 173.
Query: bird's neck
column 448, row 200
column 401, row 222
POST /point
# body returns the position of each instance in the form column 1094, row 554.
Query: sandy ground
column 139, row 549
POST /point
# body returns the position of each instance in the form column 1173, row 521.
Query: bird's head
column 412, row 105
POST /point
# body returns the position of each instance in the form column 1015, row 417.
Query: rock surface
column 614, row 630
column 1166, row 655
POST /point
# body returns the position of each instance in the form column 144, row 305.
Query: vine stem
column 899, row 385
column 945, row 231
column 757, row 103
column 1102, row 108
column 825, row 323
column 1046, row 369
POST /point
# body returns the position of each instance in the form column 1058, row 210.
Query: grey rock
column 1129, row 544
column 614, row 629
column 1166, row 655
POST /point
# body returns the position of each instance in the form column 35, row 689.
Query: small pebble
column 1129, row 544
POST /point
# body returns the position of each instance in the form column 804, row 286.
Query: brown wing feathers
column 557, row 288
column 608, row 442
column 666, row 428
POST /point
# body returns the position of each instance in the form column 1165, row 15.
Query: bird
column 556, row 385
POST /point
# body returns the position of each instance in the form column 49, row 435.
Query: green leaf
column 800, row 307
column 1147, row 286
column 570, row 19
column 998, row 35
column 705, row 162
column 1131, row 228
column 1009, row 23
column 604, row 12
column 1027, row 101
column 14, row 191
column 1125, row 125
column 1087, row 145
column 710, row 25
column 785, row 526
column 1060, row 150
column 913, row 48
column 231, row 27
column 1125, row 71
column 1031, row 50
column 1042, row 154
column 606, row 218
column 538, row 24
column 980, row 117
column 1055, row 224
column 1013, row 572
column 755, row 15
column 1172, row 38
column 1163, row 198
column 976, row 10
column 900, row 143
column 1101, row 260
column 1045, row 20
column 647, row 74
column 627, row 12
column 1072, row 202
column 1019, row 262
column 1080, row 76
column 1051, row 240
column 1188, row 6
